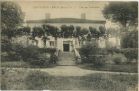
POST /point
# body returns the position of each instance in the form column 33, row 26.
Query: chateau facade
column 64, row 44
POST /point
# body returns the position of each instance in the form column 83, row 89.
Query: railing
column 57, row 52
column 77, row 56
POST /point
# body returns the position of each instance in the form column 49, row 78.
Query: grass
column 21, row 64
column 15, row 79
column 15, row 64
column 131, row 68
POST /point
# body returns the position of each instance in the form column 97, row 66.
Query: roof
column 66, row 20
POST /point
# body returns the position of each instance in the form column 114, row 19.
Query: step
column 66, row 58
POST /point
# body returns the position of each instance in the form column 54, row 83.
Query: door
column 66, row 47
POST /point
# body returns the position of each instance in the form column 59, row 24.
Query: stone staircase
column 66, row 59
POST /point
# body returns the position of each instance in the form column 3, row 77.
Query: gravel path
column 71, row 71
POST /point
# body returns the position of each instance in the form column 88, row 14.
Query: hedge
column 130, row 53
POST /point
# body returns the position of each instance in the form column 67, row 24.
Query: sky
column 36, row 10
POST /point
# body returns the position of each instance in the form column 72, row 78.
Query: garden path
column 72, row 71
column 76, row 71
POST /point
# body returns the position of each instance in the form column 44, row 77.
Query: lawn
column 14, row 64
column 131, row 68
column 22, row 64
column 23, row 79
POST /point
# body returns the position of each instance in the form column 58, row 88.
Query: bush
column 11, row 52
column 130, row 39
column 119, row 59
column 92, row 54
column 97, row 60
column 48, row 50
column 86, row 51
column 42, row 60
column 129, row 53
column 53, row 59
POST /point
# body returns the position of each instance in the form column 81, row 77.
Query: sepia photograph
column 69, row 45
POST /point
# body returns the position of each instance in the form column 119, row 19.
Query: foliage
column 53, row 59
column 91, row 54
column 23, row 31
column 97, row 60
column 102, row 30
column 130, row 40
column 89, row 37
column 119, row 58
column 67, row 31
column 50, row 30
column 96, row 33
column 78, row 28
column 30, row 54
column 86, row 50
column 122, row 12
column 10, row 52
column 11, row 17
column 48, row 50
column 64, row 30
column 71, row 30
column 130, row 53
column 37, row 32
column 83, row 31
column 42, row 60
column 113, row 32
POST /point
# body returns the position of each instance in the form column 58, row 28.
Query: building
column 64, row 44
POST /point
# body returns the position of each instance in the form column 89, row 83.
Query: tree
column 78, row 28
column 71, row 30
column 130, row 39
column 94, row 32
column 51, row 30
column 126, row 13
column 64, row 30
column 84, row 31
column 102, row 30
column 40, row 32
column 37, row 32
column 11, row 17
column 23, row 31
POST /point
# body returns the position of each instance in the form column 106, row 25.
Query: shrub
column 129, row 53
column 119, row 58
column 41, row 61
column 11, row 52
column 130, row 39
column 48, row 50
column 29, row 52
column 87, row 50
column 97, row 60
column 92, row 54
column 53, row 59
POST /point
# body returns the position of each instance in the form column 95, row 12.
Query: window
column 51, row 43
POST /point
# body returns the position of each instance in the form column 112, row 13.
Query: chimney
column 47, row 16
column 83, row 16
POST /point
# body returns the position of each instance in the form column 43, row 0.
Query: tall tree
column 37, row 32
column 64, row 30
column 71, row 30
column 11, row 17
column 126, row 13
column 78, row 29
